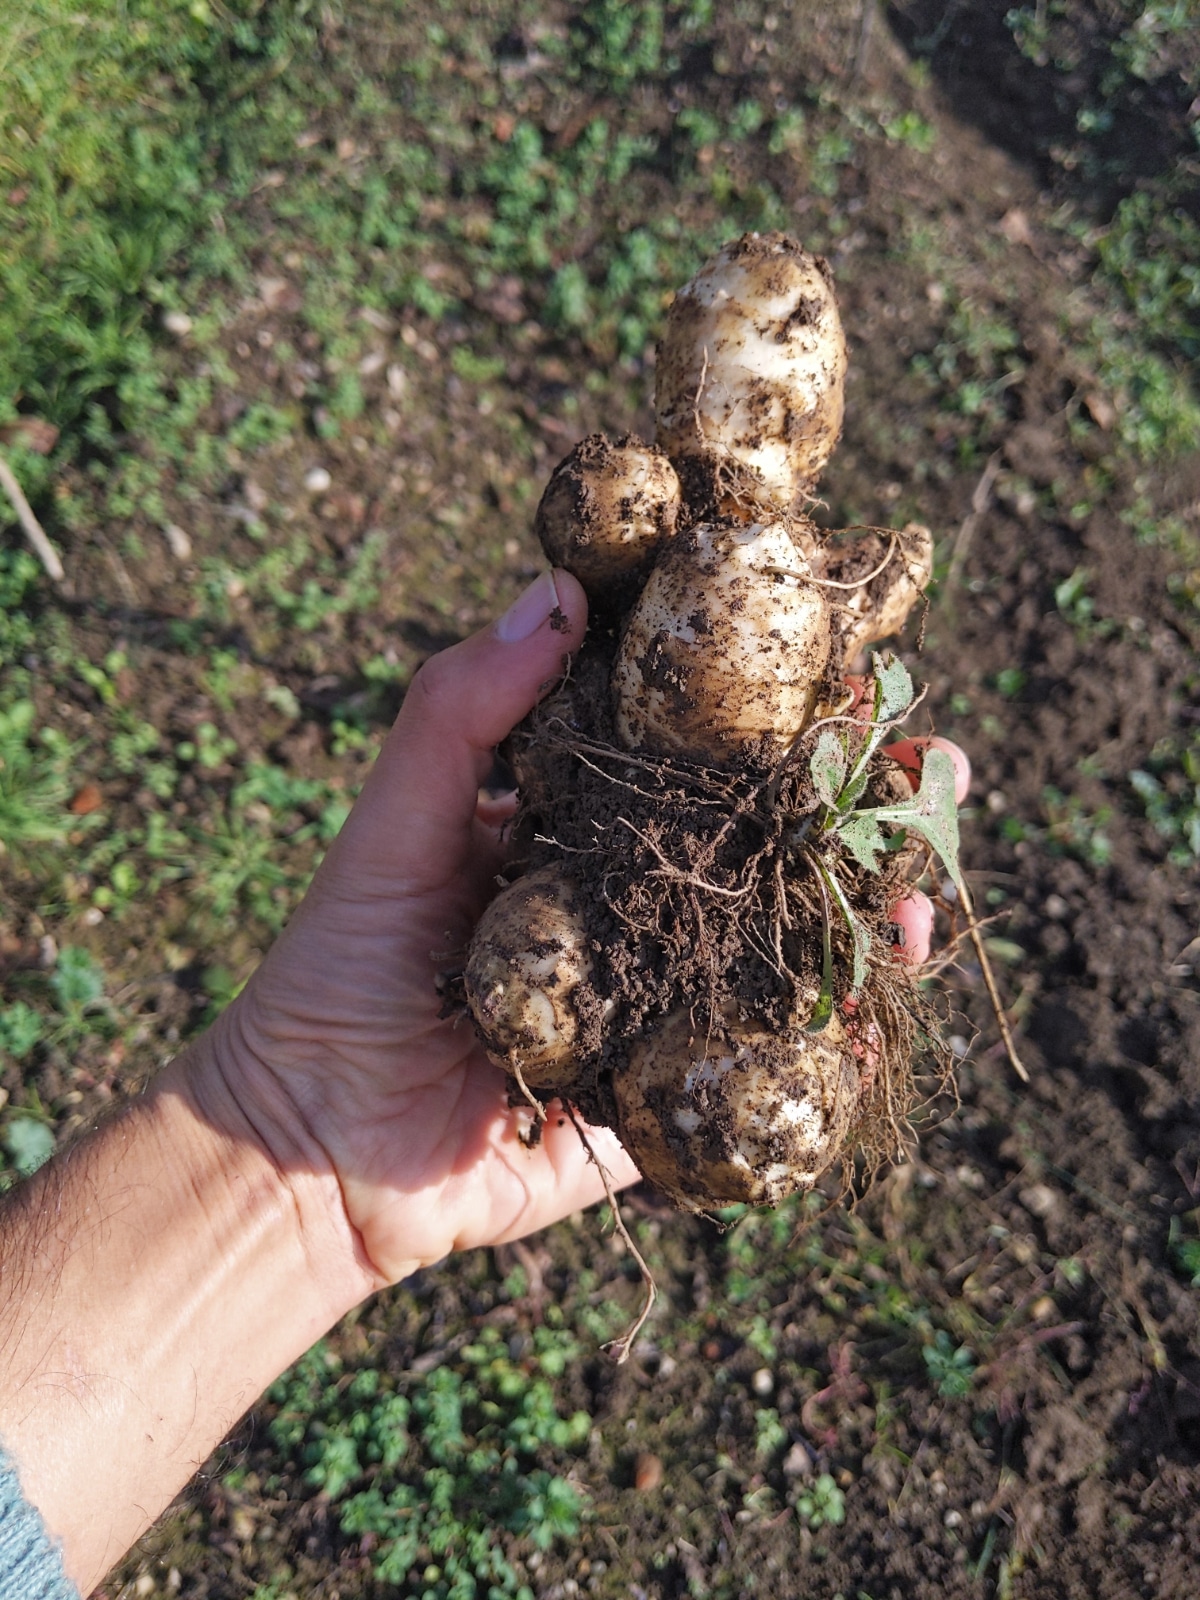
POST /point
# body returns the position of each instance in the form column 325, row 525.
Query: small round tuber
column 606, row 510
column 527, row 967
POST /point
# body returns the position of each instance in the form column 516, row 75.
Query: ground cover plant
column 301, row 304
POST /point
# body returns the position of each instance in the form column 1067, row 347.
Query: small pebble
column 1039, row 1200
column 317, row 480
column 763, row 1381
column 1055, row 906
column 647, row 1473
column 178, row 541
column 180, row 324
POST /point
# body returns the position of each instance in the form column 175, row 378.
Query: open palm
column 338, row 1046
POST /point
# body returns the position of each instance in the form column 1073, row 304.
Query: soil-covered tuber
column 606, row 511
column 529, row 967
column 752, row 366
column 733, row 1112
column 697, row 944
column 724, row 653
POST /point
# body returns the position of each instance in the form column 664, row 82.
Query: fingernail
column 529, row 610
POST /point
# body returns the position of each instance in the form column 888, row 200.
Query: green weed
column 951, row 1367
column 1184, row 1252
column 35, row 780
column 1074, row 830
column 823, row 1504
column 436, row 1469
column 109, row 157
column 21, row 1030
column 28, row 1139
column 1169, row 789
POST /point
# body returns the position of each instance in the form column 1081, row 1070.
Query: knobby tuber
column 696, row 946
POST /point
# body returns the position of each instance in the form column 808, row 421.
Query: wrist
column 252, row 1140
column 177, row 1268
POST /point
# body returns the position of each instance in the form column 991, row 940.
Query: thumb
column 413, row 825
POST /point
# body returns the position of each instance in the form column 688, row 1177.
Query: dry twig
column 30, row 525
column 980, row 500
column 990, row 982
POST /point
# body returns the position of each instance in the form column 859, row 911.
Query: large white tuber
column 751, row 366
column 724, row 652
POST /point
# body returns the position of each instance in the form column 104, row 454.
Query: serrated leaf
column 863, row 837
column 893, row 688
column 828, row 767
column 932, row 812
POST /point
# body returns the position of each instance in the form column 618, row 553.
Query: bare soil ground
column 1060, row 1457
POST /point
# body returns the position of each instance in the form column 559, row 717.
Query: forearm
column 152, row 1284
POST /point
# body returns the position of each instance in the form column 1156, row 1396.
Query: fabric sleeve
column 30, row 1562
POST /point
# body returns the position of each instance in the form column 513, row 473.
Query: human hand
column 336, row 1051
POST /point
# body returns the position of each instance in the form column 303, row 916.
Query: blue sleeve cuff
column 30, row 1563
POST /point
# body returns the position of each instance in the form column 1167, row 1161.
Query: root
column 539, row 1110
column 990, row 983
column 861, row 583
column 622, row 1346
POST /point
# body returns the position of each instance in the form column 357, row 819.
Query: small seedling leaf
column 932, row 812
column 862, row 836
column 828, row 768
column 893, row 688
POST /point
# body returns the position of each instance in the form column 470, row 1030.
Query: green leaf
column 893, row 688
column 859, row 936
column 828, row 767
column 893, row 695
column 29, row 1143
column 77, row 980
column 932, row 812
column 20, row 1029
column 862, row 836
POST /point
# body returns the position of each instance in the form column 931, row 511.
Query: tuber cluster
column 695, row 946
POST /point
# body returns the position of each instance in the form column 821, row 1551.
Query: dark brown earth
column 1031, row 1222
